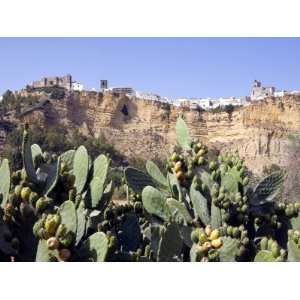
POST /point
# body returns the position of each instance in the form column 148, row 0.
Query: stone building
column 260, row 92
column 64, row 82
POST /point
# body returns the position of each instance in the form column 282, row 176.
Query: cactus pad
column 178, row 208
column 182, row 134
column 96, row 247
column 264, row 256
column 200, row 205
column 81, row 168
column 268, row 188
column 156, row 174
column 131, row 233
column 170, row 244
column 5, row 181
column 81, row 222
column 100, row 168
column 228, row 251
column 68, row 215
column 137, row 180
column 68, row 159
column 293, row 251
column 155, row 203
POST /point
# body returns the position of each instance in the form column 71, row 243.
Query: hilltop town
column 264, row 130
column 258, row 92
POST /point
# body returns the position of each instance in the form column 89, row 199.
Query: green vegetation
column 227, row 108
column 198, row 208
column 54, row 92
column 56, row 140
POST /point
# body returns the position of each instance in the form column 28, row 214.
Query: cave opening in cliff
column 124, row 110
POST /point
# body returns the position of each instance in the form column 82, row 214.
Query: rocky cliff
column 263, row 133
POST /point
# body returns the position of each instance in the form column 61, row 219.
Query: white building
column 230, row 101
column 279, row 93
column 77, row 86
column 148, row 96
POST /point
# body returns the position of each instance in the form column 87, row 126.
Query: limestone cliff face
column 263, row 133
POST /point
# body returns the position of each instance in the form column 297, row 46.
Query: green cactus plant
column 81, row 168
column 5, row 181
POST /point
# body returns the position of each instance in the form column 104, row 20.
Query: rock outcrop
column 263, row 133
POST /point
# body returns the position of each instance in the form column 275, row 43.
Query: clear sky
column 172, row 67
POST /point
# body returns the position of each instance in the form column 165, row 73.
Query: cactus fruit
column 64, row 254
column 52, row 243
column 205, row 206
column 25, row 194
column 216, row 243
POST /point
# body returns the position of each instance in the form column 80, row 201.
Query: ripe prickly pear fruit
column 206, row 246
column 215, row 234
column 179, row 175
column 51, row 224
column 178, row 166
column 217, row 243
column 64, row 254
column 202, row 238
column 52, row 243
column 195, row 236
column 25, row 193
column 18, row 189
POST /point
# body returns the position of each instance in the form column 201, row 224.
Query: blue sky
column 172, row 67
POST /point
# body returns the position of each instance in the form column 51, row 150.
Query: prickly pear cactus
column 95, row 248
column 182, row 133
column 170, row 244
column 81, row 168
column 156, row 174
column 5, row 181
column 137, row 180
column 28, row 158
column 154, row 202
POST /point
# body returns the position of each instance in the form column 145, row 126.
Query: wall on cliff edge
column 264, row 133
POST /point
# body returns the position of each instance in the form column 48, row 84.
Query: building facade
column 260, row 92
column 77, row 86
column 64, row 82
